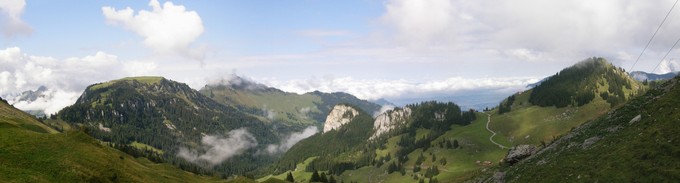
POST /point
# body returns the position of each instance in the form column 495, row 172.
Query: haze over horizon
column 404, row 51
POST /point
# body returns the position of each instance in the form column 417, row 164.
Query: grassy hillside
column 30, row 156
column 635, row 143
column 540, row 118
column 271, row 104
column 296, row 110
column 9, row 114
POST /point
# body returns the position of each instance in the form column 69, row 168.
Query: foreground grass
column 615, row 148
column 75, row 157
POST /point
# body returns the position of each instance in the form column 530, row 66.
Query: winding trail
column 494, row 133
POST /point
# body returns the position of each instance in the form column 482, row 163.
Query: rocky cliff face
column 390, row 120
column 340, row 114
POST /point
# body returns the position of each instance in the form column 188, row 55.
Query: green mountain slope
column 575, row 95
column 30, row 156
column 352, row 155
column 10, row 115
column 635, row 143
column 275, row 105
column 167, row 116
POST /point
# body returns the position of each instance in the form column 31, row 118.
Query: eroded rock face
column 390, row 120
column 520, row 152
column 339, row 115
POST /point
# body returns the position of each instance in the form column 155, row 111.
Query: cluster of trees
column 332, row 148
column 438, row 116
column 316, row 177
column 577, row 84
column 449, row 144
column 506, row 105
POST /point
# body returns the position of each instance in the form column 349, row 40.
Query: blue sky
column 402, row 50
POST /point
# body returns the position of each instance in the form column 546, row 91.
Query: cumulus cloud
column 528, row 30
column 10, row 17
column 167, row 29
column 290, row 140
column 419, row 23
column 376, row 89
column 50, row 102
column 667, row 66
column 64, row 78
column 217, row 149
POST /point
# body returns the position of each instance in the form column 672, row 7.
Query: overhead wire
column 653, row 35
column 664, row 57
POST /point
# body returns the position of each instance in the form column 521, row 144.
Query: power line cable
column 664, row 57
column 652, row 38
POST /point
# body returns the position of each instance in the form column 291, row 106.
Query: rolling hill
column 274, row 105
column 32, row 153
column 634, row 143
column 573, row 96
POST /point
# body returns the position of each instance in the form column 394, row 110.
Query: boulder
column 519, row 152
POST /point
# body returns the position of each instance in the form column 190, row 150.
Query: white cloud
column 217, row 149
column 667, row 66
column 526, row 30
column 65, row 78
column 420, row 23
column 50, row 103
column 290, row 140
column 168, row 29
column 10, row 18
column 376, row 89
column 140, row 68
column 383, row 109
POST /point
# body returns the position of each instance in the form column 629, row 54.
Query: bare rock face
column 390, row 120
column 340, row 114
column 520, row 152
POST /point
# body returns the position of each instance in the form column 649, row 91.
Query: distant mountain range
column 271, row 104
column 30, row 96
column 641, row 76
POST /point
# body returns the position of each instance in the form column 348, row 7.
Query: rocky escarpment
column 390, row 120
column 340, row 114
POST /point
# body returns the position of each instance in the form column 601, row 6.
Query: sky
column 471, row 52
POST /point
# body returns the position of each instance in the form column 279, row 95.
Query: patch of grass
column 299, row 174
column 530, row 124
column 28, row 156
column 143, row 146
column 11, row 115
column 141, row 79
column 286, row 107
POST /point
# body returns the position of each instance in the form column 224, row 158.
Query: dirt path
column 494, row 133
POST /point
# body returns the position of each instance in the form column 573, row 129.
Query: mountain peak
column 236, row 82
column 140, row 79
column 581, row 83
